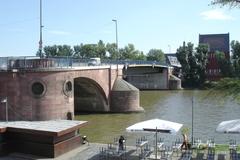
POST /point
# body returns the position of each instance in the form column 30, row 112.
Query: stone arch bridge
column 40, row 89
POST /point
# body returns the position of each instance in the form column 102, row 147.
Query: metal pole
column 192, row 119
column 114, row 20
column 156, row 145
column 6, row 109
column 41, row 26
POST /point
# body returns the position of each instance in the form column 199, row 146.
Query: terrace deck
column 43, row 138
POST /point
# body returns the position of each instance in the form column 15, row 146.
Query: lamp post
column 5, row 100
column 114, row 20
column 41, row 26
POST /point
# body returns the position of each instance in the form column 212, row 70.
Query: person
column 121, row 142
column 85, row 140
column 185, row 142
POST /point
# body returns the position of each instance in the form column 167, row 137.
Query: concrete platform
column 53, row 127
column 43, row 138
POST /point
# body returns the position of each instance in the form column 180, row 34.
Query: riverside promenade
column 91, row 152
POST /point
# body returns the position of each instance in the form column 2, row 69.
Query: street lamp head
column 114, row 20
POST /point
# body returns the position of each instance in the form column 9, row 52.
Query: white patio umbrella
column 231, row 126
column 155, row 125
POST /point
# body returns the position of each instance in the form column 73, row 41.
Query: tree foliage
column 129, row 52
column 112, row 50
column 193, row 63
column 58, row 50
column 103, row 51
column 235, row 45
column 228, row 87
column 224, row 64
column 202, row 60
column 231, row 3
column 156, row 55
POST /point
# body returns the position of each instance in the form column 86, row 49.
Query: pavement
column 92, row 152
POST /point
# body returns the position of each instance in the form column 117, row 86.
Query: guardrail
column 28, row 63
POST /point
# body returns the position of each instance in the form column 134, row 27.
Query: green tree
column 231, row 3
column 50, row 51
column 141, row 56
column 129, row 52
column 89, row 50
column 193, row 63
column 78, row 51
column 202, row 59
column 235, row 45
column 101, row 49
column 156, row 55
column 64, row 50
column 58, row 50
column 112, row 50
column 183, row 57
column 224, row 64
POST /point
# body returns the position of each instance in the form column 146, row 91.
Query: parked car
column 94, row 62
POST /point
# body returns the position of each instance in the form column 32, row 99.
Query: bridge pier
column 125, row 97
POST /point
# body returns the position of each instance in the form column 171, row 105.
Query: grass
column 221, row 147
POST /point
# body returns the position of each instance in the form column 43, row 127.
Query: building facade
column 216, row 42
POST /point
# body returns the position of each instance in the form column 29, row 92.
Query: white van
column 94, row 62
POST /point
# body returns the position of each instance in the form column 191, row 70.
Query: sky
column 148, row 24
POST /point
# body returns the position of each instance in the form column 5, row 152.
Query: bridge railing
column 31, row 62
column 131, row 62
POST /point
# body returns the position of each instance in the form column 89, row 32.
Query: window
column 38, row 89
column 67, row 88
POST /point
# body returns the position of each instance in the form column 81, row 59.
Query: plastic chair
column 211, row 154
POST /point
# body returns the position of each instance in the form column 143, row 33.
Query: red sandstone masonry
column 54, row 104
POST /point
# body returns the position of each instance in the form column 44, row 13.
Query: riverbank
column 92, row 152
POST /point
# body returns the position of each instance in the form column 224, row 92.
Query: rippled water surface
column 208, row 111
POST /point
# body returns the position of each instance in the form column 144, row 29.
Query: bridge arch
column 89, row 96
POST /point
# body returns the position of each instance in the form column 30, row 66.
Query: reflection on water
column 209, row 110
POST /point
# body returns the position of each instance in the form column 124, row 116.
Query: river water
column 209, row 109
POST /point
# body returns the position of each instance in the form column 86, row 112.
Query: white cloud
column 215, row 15
column 60, row 33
